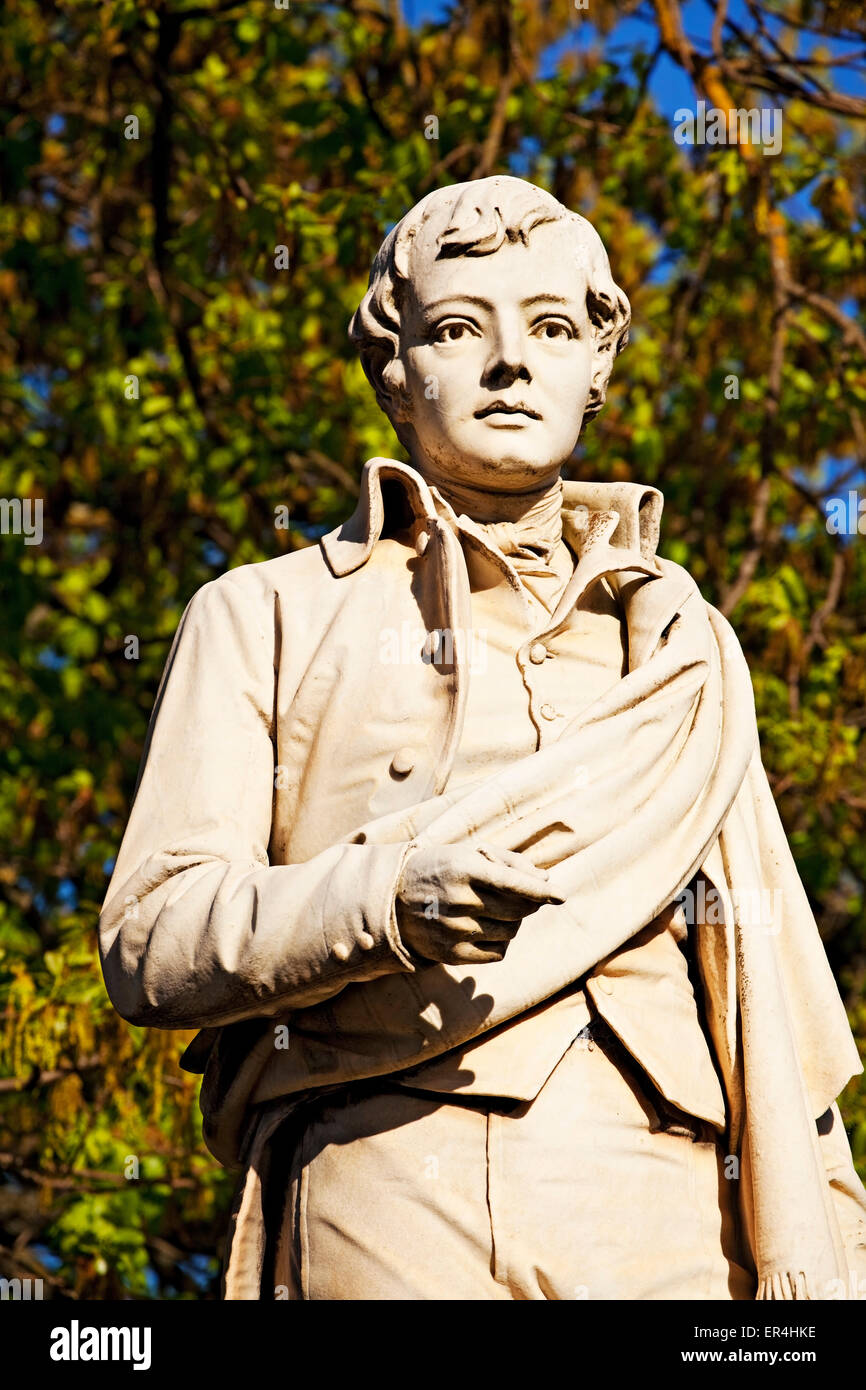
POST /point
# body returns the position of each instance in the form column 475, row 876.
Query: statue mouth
column 507, row 408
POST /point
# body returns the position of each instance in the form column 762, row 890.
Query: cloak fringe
column 782, row 1287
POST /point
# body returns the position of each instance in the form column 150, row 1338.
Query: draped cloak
column 657, row 781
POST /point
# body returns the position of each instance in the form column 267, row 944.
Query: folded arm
column 198, row 929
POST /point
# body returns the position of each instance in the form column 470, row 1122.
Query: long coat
column 255, row 882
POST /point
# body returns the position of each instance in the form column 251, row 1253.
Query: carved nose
column 508, row 347
column 508, row 368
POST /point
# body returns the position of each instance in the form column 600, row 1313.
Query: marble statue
column 453, row 841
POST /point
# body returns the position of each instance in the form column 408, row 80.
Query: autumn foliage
column 169, row 380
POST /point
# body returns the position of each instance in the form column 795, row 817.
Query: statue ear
column 391, row 390
column 386, row 376
column 601, row 369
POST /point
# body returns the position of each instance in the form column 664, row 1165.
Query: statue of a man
column 452, row 837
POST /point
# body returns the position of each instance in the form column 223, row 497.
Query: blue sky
column 672, row 89
column 669, row 86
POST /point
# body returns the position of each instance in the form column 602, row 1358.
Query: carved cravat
column 524, row 526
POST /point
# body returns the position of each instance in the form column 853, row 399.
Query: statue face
column 498, row 354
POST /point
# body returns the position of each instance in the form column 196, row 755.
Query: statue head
column 488, row 332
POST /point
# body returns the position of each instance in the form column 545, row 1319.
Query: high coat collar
column 615, row 537
column 624, row 516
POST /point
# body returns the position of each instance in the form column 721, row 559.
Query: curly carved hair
column 481, row 216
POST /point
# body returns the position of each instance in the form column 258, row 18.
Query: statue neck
column 519, row 522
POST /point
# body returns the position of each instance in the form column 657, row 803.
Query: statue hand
column 463, row 906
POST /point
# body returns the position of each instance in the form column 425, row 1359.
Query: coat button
column 537, row 653
column 548, row 712
column 340, row 950
column 403, row 762
column 422, row 541
column 366, row 941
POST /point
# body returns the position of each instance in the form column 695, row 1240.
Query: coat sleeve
column 198, row 929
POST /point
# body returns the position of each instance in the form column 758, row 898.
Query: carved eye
column 555, row 330
column 451, row 332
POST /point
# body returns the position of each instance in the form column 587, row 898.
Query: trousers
column 594, row 1190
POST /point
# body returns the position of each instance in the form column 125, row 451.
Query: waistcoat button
column 537, row 653
column 403, row 762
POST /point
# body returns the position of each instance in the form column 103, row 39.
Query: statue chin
column 513, row 467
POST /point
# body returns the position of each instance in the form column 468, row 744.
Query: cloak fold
column 659, row 779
